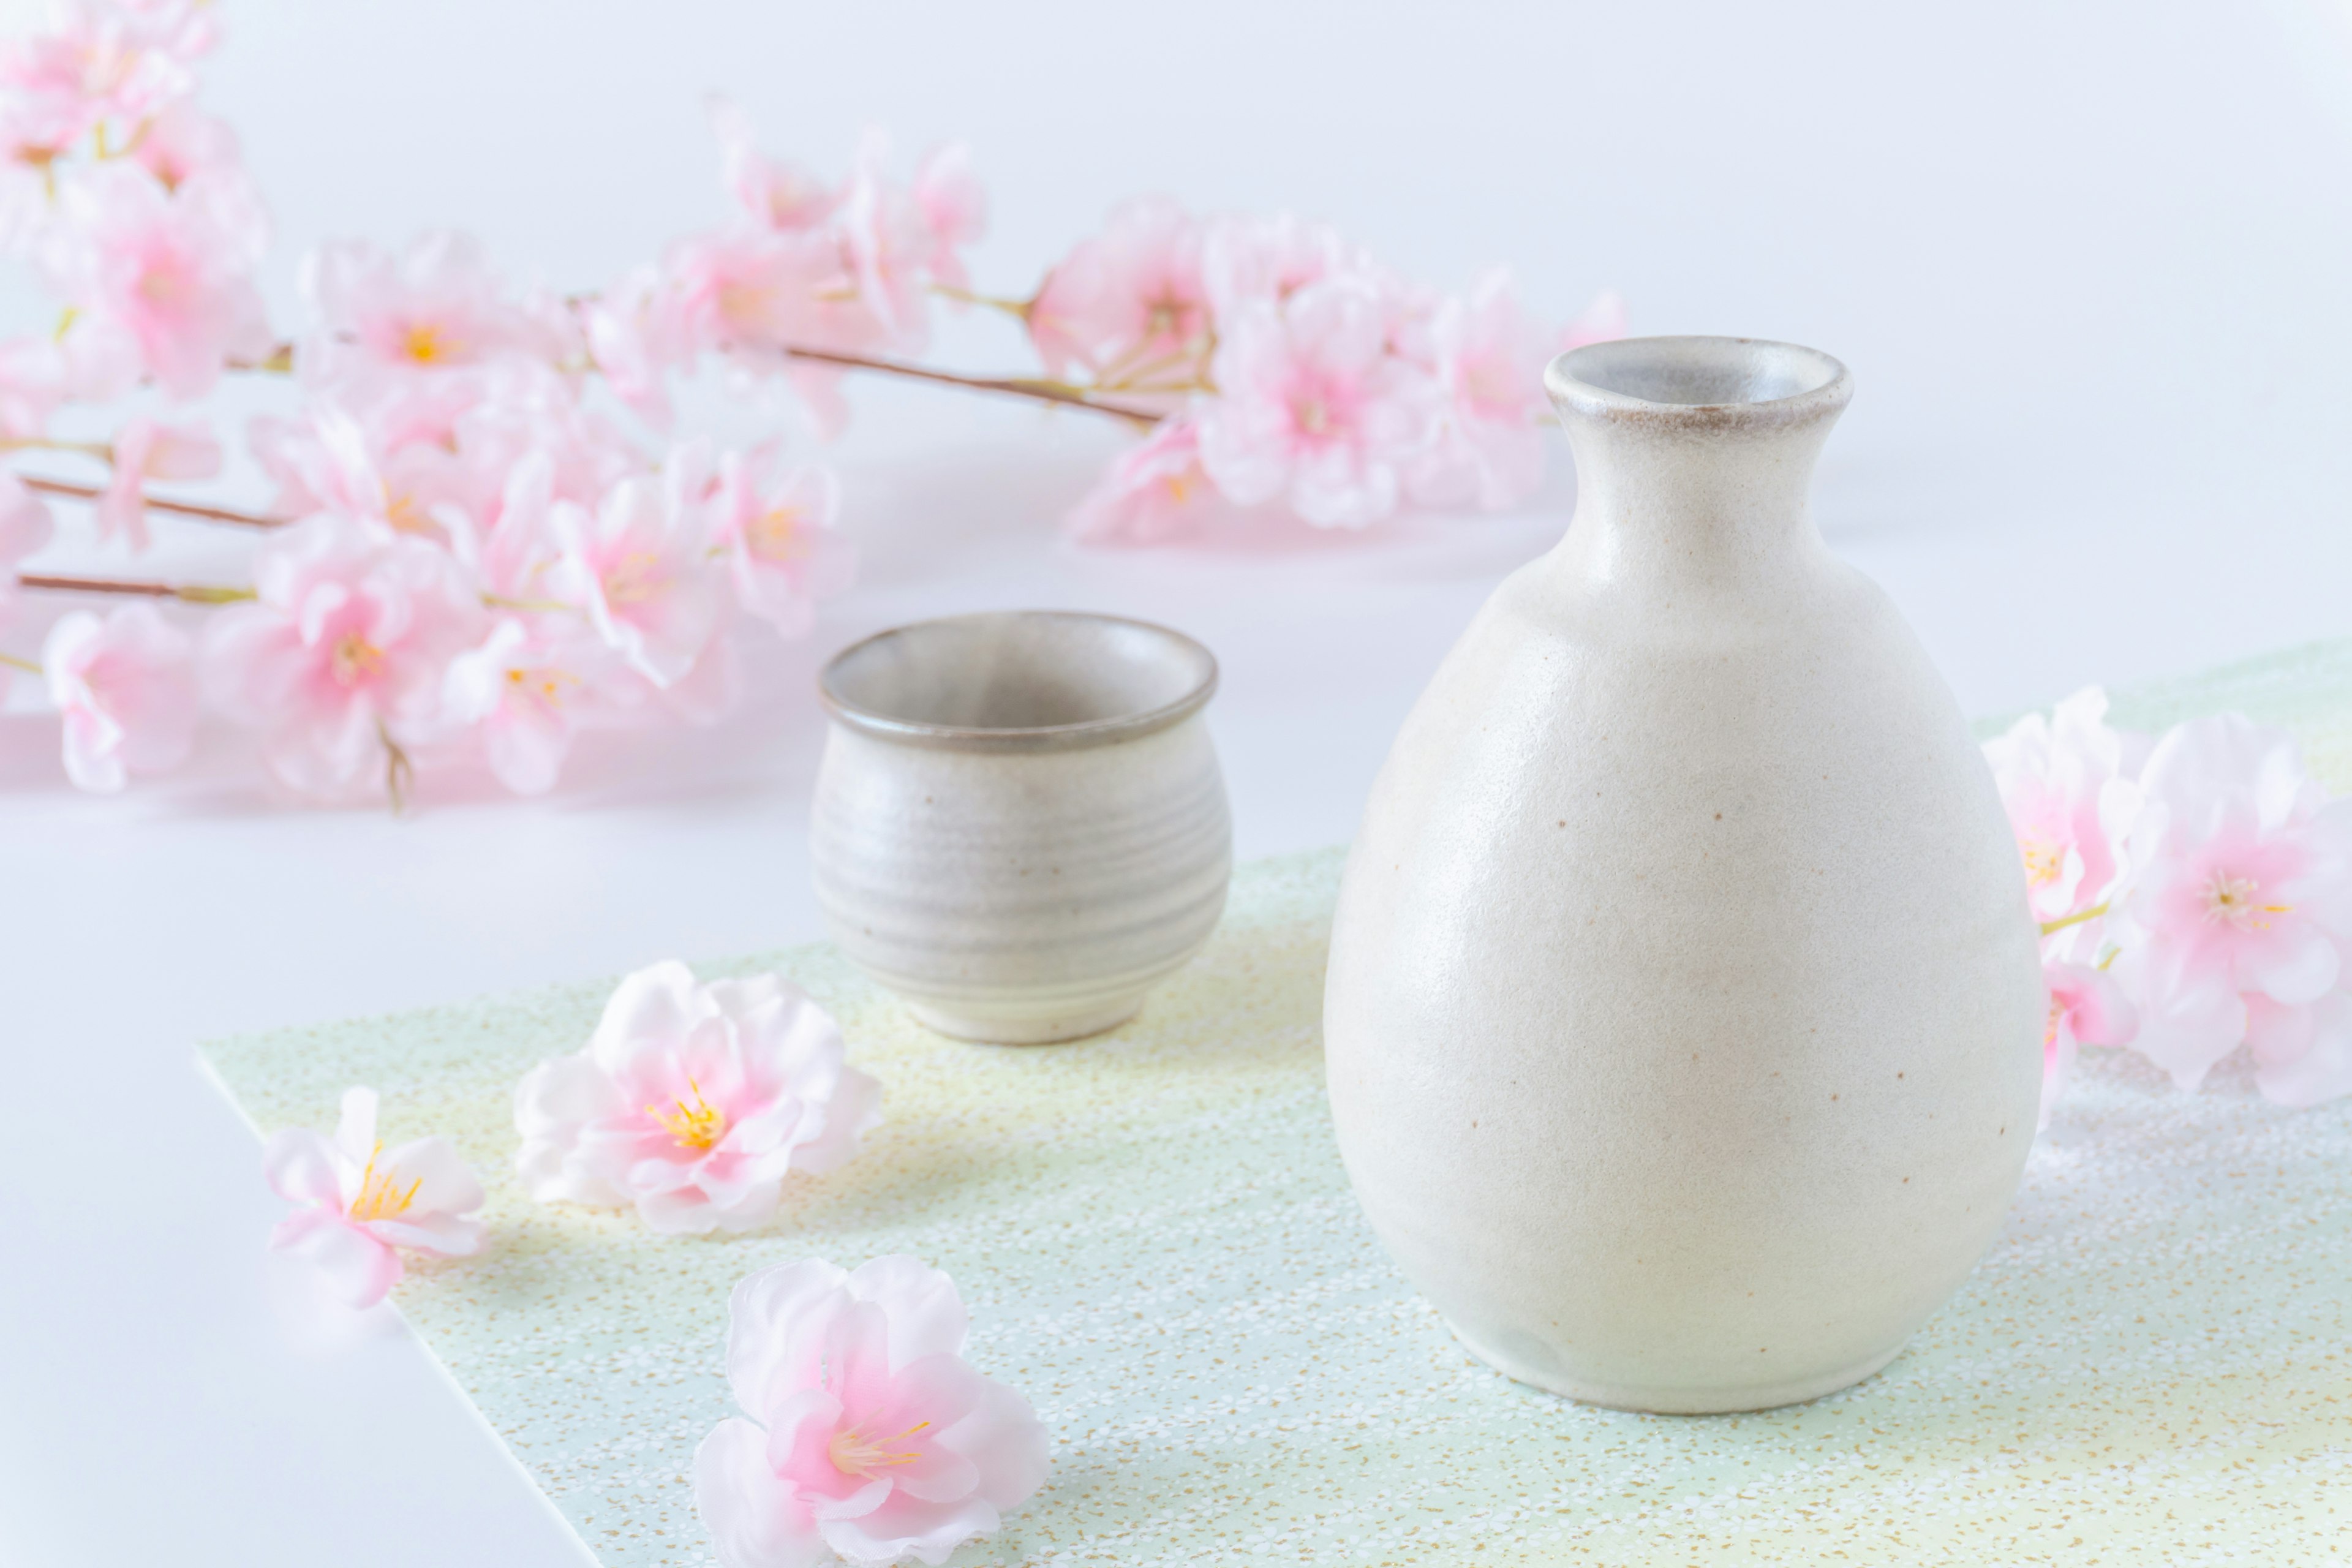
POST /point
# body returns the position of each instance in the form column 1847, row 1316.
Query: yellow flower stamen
column 697, row 1126
column 548, row 684
column 354, row 659
column 2044, row 860
column 406, row 516
column 852, row 1454
column 2230, row 901
column 634, row 578
column 381, row 1196
column 776, row 535
column 425, row 343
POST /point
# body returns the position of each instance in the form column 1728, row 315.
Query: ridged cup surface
column 1019, row 823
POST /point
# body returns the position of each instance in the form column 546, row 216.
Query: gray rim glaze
column 1564, row 379
column 1041, row 738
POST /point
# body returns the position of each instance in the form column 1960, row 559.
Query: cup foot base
column 1725, row 1401
column 1076, row 1023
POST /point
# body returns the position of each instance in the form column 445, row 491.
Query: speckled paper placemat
column 1157, row 1243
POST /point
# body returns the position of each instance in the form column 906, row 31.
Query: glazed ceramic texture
column 1684, row 1011
column 1020, row 823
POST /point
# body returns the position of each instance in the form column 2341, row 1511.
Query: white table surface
column 2089, row 268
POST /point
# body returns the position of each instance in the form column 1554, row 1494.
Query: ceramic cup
column 1020, row 825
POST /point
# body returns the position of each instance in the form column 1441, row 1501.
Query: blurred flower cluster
column 484, row 537
column 1292, row 368
column 2194, row 891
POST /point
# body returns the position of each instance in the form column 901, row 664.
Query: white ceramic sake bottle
column 1683, row 1014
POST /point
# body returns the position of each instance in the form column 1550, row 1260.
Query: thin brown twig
column 282, row 359
column 188, row 593
column 154, row 503
column 1011, row 386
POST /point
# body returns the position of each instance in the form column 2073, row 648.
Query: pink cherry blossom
column 330, row 457
column 751, row 295
column 888, row 242
column 757, row 292
column 126, row 686
column 864, row 1433
column 342, row 654
column 771, row 193
column 846, row 271
column 2302, row 1056
column 182, row 143
column 639, row 335
column 2240, row 896
column 1128, row 305
column 526, row 408
column 360, row 1204
column 438, row 308
column 36, row 136
column 95, row 56
column 516, row 542
column 335, row 462
column 642, row 570
column 694, row 1102
column 1248, row 262
column 149, row 449
column 954, row 208
column 1489, row 356
column 776, row 522
column 525, row 693
column 2085, row 1008
column 25, row 526
column 1313, row 410
column 2071, row 803
column 33, row 381
column 168, row 274
column 186, row 30
column 1155, row 491
column 711, row 689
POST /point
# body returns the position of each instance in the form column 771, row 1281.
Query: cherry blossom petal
column 2299, row 965
column 356, row 1268
column 712, row 1096
column 2185, row 1031
column 883, row 1452
column 767, row 1334
column 126, row 689
column 756, row 1519
column 445, row 1182
column 301, row 1168
column 2302, row 1056
column 1007, row 1444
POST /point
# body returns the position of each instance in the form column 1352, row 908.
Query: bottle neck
column 1686, row 501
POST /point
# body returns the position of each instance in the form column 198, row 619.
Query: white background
column 2088, row 263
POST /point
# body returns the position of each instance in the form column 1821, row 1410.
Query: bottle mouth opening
column 1709, row 378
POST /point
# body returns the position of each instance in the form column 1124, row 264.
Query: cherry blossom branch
column 101, row 450
column 187, row 593
column 1015, row 308
column 399, row 773
column 154, row 503
column 1057, row 392
column 2074, row 920
column 280, row 362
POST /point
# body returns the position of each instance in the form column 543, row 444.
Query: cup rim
column 1033, row 738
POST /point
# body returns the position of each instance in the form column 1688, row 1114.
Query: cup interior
column 1046, row 677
